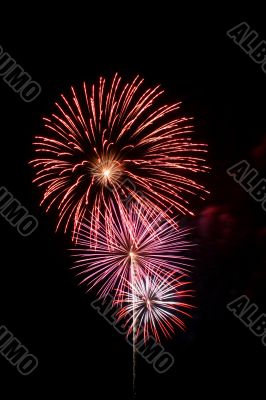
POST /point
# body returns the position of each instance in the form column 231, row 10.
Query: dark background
column 189, row 53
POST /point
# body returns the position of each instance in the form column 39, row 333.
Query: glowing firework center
column 107, row 172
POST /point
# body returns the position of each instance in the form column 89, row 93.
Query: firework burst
column 115, row 141
column 126, row 246
column 155, row 304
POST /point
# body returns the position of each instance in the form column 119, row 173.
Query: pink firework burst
column 114, row 141
column 128, row 245
column 155, row 305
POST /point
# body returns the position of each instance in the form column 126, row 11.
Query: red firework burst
column 116, row 142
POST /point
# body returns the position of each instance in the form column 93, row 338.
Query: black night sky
column 191, row 56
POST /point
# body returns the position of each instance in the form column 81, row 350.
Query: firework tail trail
column 134, row 330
